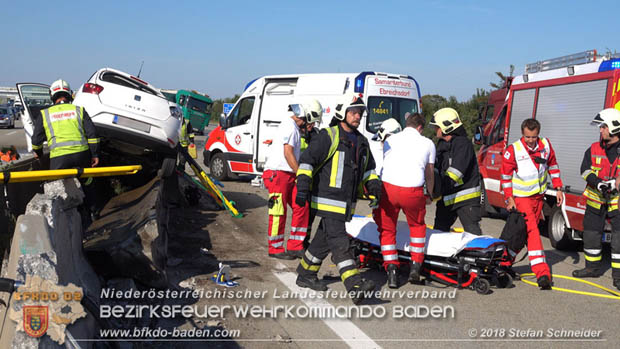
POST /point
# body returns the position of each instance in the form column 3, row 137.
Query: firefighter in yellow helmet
column 601, row 170
column 459, row 177
column 70, row 136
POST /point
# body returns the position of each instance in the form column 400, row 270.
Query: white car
column 129, row 114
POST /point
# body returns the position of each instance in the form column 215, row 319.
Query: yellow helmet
column 609, row 117
column 447, row 119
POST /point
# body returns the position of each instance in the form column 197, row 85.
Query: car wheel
column 558, row 233
column 167, row 167
column 219, row 167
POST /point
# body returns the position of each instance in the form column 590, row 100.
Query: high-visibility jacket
column 186, row 134
column 522, row 176
column 337, row 171
column 66, row 130
column 458, row 171
column 600, row 167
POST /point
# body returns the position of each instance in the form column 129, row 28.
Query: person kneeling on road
column 279, row 178
column 333, row 170
column 403, row 176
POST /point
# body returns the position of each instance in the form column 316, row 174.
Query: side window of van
column 242, row 112
column 182, row 101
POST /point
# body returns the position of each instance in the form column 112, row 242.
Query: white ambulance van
column 241, row 143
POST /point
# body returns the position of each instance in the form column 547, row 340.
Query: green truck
column 196, row 107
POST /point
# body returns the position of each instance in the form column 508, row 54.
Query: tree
column 502, row 78
column 218, row 106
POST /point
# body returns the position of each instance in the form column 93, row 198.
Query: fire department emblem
column 35, row 320
column 238, row 140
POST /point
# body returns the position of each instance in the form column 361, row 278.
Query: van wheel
column 167, row 167
column 218, row 167
column 558, row 233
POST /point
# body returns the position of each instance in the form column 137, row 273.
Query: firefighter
column 601, row 169
column 70, row 136
column 333, row 171
column 524, row 182
column 388, row 127
column 403, row 176
column 186, row 138
column 279, row 178
column 307, row 135
column 458, row 174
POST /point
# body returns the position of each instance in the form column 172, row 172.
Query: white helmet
column 59, row 86
column 609, row 117
column 388, row 127
column 310, row 111
column 447, row 119
column 347, row 102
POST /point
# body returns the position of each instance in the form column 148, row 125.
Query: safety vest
column 333, row 198
column 529, row 180
column 605, row 171
column 64, row 129
column 184, row 136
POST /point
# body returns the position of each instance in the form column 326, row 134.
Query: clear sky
column 449, row 47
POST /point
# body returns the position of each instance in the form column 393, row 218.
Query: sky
column 216, row 47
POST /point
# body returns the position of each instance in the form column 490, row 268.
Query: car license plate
column 131, row 123
column 606, row 237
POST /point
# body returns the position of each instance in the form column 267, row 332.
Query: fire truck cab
column 563, row 94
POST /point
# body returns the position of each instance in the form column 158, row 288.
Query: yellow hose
column 617, row 294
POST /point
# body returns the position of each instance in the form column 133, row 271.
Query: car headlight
column 176, row 112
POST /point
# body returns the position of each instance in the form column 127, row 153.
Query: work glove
column 374, row 189
column 301, row 198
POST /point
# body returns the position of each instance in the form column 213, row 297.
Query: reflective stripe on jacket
column 64, row 129
column 605, row 171
column 529, row 180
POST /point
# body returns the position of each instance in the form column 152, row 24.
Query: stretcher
column 462, row 260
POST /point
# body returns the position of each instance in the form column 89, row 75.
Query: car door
column 493, row 159
column 239, row 135
column 35, row 97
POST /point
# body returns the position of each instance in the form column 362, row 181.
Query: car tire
column 218, row 167
column 167, row 167
column 558, row 233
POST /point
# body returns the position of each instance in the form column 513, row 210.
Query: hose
column 616, row 295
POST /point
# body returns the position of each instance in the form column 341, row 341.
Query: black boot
column 587, row 272
column 311, row 281
column 392, row 275
column 544, row 282
column 414, row 273
column 359, row 290
column 617, row 283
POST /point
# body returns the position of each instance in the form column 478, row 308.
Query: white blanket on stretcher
column 438, row 243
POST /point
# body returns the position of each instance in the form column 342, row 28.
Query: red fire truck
column 563, row 94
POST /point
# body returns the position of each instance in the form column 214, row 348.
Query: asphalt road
column 13, row 136
column 518, row 316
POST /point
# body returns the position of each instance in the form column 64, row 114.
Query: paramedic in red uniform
column 403, row 174
column 279, row 178
column 524, row 182
column 601, row 168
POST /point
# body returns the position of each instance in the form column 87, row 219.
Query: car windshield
column 36, row 96
column 4, row 111
column 118, row 79
column 199, row 106
column 383, row 108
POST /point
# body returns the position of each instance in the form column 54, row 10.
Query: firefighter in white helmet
column 336, row 167
column 279, row 178
column 459, row 177
column 70, row 136
column 388, row 128
column 601, row 170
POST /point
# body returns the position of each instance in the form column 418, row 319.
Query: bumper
column 141, row 140
column 6, row 122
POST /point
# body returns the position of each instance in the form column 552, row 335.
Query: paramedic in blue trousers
column 403, row 175
column 333, row 171
column 279, row 178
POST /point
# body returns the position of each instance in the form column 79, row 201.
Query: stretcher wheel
column 504, row 281
column 482, row 286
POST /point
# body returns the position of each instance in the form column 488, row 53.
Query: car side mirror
column 479, row 136
column 223, row 120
